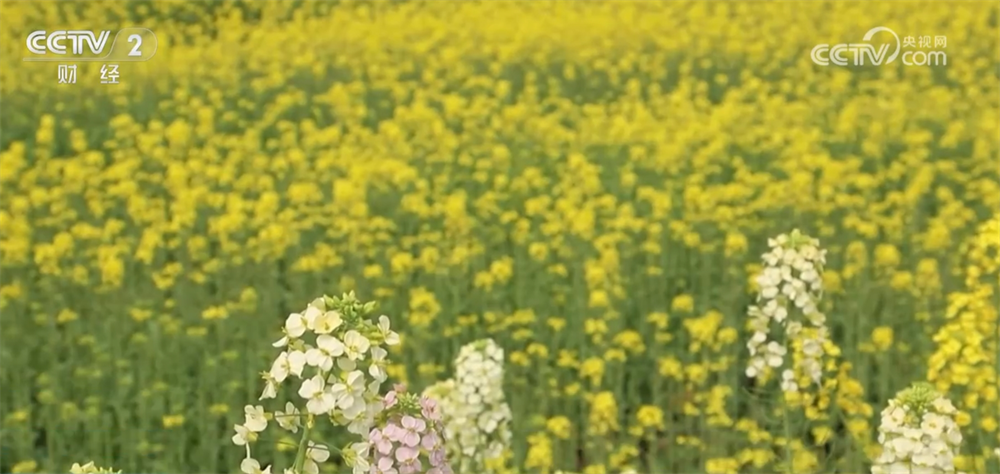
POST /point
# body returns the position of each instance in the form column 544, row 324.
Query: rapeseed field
column 586, row 188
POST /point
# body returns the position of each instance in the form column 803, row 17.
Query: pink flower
column 394, row 432
column 381, row 442
column 405, row 453
column 390, row 399
column 383, row 466
column 430, row 440
column 399, row 387
column 408, row 444
column 439, row 465
column 429, row 408
column 437, row 457
column 411, row 466
column 413, row 427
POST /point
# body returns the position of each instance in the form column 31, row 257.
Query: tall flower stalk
column 790, row 288
column 334, row 356
column 918, row 433
column 476, row 415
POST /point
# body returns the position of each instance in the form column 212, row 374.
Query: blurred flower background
column 590, row 184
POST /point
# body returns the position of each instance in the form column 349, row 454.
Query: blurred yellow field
column 590, row 184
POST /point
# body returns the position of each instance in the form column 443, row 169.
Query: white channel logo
column 39, row 42
column 860, row 54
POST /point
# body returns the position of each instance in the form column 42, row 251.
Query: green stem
column 300, row 455
column 789, row 461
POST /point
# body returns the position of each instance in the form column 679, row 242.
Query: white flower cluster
column 918, row 434
column 790, row 284
column 476, row 415
column 336, row 355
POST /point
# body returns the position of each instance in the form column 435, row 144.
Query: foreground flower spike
column 333, row 356
column 918, row 433
column 90, row 468
column 790, row 286
column 477, row 417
